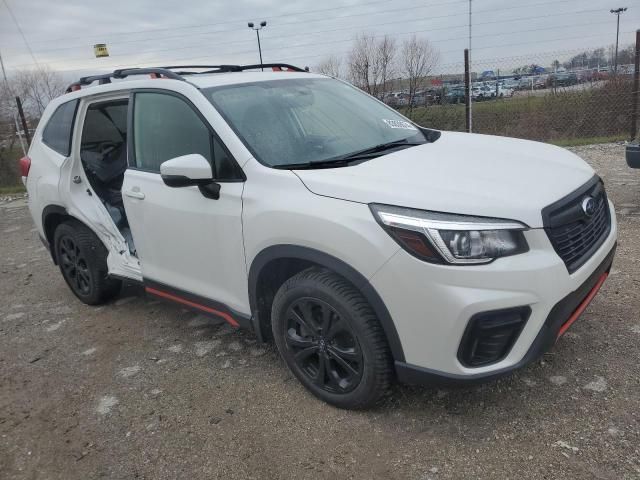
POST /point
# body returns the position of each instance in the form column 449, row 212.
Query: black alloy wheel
column 331, row 339
column 323, row 345
column 82, row 259
column 74, row 266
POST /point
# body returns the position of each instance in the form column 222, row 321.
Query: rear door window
column 57, row 134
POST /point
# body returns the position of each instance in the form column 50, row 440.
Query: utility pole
column 468, row 62
column 257, row 29
column 15, row 118
column 617, row 12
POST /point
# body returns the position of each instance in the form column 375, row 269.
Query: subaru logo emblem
column 589, row 206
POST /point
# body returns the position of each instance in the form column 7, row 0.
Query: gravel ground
column 142, row 389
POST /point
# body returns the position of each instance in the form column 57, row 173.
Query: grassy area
column 9, row 172
column 12, row 190
column 565, row 117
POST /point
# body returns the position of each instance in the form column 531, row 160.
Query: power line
column 394, row 10
column 171, row 49
column 6, row 4
column 236, row 21
column 345, row 52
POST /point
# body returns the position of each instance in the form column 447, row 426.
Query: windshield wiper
column 350, row 158
column 373, row 151
column 331, row 163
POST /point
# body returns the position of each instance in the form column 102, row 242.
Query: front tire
column 331, row 340
column 82, row 259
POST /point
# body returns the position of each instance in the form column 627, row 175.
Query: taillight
column 25, row 165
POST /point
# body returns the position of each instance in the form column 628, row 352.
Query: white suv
column 368, row 248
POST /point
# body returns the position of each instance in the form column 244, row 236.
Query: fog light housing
column 489, row 336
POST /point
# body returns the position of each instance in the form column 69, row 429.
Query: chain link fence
column 542, row 98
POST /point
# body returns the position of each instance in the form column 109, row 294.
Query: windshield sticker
column 399, row 124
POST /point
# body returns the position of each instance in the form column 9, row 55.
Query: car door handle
column 134, row 194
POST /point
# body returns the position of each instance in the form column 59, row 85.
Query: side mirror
column 190, row 170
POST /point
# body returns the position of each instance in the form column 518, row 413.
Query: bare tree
column 37, row 88
column 418, row 60
column 331, row 65
column 360, row 61
column 384, row 64
column 371, row 63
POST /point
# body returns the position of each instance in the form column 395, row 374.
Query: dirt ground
column 143, row 389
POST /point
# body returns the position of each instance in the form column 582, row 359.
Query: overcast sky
column 61, row 33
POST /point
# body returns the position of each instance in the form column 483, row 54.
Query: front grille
column 576, row 236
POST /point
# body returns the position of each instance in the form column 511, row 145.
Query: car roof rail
column 235, row 68
column 120, row 74
column 168, row 72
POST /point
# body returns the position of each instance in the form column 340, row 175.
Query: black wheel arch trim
column 48, row 239
column 318, row 257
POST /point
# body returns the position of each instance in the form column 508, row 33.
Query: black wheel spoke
column 327, row 314
column 303, row 355
column 303, row 322
column 348, row 354
column 322, row 370
column 334, row 329
column 350, row 370
column 296, row 341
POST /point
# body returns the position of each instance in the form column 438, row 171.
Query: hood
column 461, row 173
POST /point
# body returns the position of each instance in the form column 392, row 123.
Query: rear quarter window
column 57, row 133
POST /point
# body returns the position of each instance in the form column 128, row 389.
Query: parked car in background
column 562, row 79
column 584, row 75
column 396, row 99
column 455, row 95
column 504, row 91
column 510, row 83
column 540, row 82
column 525, row 83
column 601, row 73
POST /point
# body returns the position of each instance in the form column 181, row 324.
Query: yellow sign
column 100, row 50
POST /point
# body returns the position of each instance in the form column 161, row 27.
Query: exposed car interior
column 103, row 151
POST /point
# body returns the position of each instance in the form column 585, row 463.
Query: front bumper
column 431, row 305
column 562, row 315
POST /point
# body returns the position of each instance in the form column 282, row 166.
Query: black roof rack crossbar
column 168, row 72
column 234, row 68
column 122, row 73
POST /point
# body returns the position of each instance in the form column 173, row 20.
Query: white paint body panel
column 193, row 166
column 187, row 241
column 461, row 173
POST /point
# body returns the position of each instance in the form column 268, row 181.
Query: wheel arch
column 295, row 258
column 52, row 216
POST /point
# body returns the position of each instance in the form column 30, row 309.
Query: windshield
column 297, row 121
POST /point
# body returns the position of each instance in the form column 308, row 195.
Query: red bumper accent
column 583, row 305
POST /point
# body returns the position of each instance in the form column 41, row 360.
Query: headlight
column 448, row 238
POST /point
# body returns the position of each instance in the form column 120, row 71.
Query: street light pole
column 257, row 29
column 617, row 12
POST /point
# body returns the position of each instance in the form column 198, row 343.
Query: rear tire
column 331, row 340
column 82, row 259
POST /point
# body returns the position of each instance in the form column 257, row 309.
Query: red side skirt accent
column 583, row 305
column 189, row 303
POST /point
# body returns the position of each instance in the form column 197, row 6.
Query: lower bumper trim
column 561, row 317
